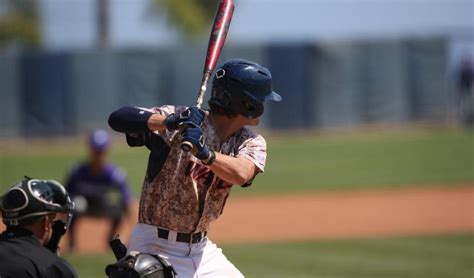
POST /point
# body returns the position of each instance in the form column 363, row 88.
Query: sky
column 71, row 23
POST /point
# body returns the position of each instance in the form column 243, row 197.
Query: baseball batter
column 184, row 192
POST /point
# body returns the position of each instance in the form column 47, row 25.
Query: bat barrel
column 219, row 33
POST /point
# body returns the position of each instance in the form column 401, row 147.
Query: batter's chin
column 254, row 121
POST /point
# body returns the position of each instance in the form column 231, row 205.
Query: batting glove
column 195, row 137
column 191, row 117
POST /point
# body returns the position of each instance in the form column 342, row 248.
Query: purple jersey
column 82, row 181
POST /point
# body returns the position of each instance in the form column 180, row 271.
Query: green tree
column 19, row 23
column 193, row 17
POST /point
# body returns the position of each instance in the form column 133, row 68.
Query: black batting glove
column 194, row 136
column 191, row 117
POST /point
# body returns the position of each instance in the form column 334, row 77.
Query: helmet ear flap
column 222, row 97
column 226, row 98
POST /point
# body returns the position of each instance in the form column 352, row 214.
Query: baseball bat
column 219, row 31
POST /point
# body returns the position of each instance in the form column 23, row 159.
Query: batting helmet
column 29, row 200
column 241, row 87
column 141, row 265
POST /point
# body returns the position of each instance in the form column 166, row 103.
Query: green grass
column 46, row 160
column 90, row 266
column 442, row 256
column 295, row 163
column 371, row 160
column 404, row 257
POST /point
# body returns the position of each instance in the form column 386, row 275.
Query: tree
column 20, row 23
column 103, row 10
column 191, row 16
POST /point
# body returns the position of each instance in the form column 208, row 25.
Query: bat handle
column 187, row 146
column 203, row 88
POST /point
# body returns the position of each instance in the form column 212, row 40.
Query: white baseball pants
column 199, row 260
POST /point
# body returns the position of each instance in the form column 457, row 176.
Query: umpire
column 36, row 213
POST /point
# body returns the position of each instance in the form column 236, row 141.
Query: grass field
column 295, row 163
column 407, row 257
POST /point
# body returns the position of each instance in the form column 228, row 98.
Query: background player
column 183, row 192
column 98, row 187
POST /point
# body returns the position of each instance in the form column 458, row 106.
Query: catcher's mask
column 30, row 200
column 141, row 265
column 241, row 87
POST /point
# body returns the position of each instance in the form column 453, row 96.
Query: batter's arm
column 134, row 120
column 234, row 170
column 157, row 122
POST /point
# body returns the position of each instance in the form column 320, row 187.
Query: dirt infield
column 360, row 214
column 336, row 215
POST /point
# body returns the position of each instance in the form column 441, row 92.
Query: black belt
column 183, row 237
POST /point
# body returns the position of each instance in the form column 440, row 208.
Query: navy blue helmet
column 241, row 87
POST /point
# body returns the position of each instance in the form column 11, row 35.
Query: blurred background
column 66, row 64
column 378, row 95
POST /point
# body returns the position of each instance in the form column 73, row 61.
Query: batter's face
column 247, row 121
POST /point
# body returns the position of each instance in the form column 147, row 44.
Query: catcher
column 184, row 192
column 37, row 214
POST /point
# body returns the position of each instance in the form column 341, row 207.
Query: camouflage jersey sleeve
column 254, row 149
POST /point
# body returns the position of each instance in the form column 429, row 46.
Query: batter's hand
column 191, row 117
column 195, row 137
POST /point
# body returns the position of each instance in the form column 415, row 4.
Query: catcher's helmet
column 240, row 87
column 29, row 200
column 141, row 265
